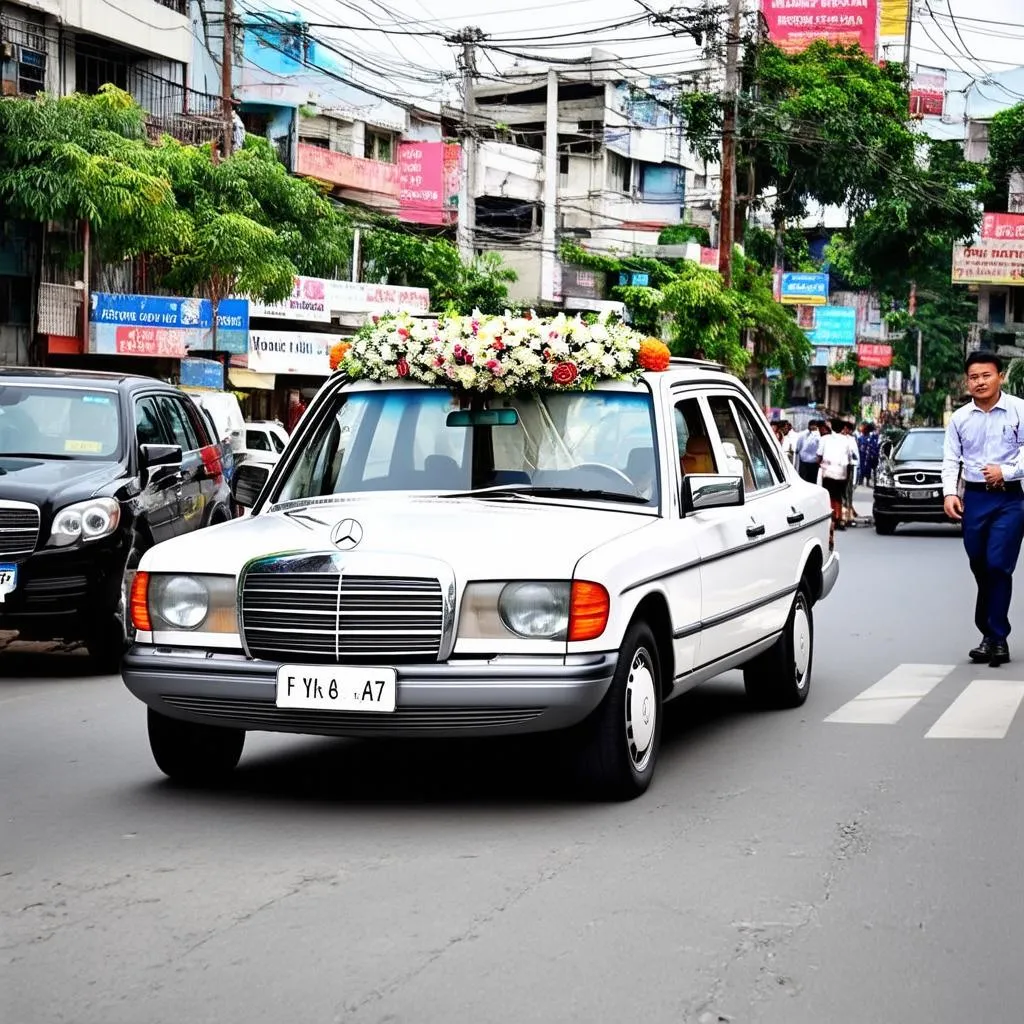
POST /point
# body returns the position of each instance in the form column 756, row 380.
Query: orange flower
column 653, row 354
column 338, row 353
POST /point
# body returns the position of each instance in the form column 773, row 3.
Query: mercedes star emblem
column 347, row 534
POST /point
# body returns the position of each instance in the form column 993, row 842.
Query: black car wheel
column 885, row 526
column 191, row 753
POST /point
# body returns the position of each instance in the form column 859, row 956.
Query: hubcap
column 641, row 709
column 801, row 643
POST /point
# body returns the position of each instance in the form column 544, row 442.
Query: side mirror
column 248, row 483
column 709, row 490
column 158, row 462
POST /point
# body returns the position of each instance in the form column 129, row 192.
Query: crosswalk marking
column 892, row 697
column 984, row 711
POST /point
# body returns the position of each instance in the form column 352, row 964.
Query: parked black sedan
column 908, row 484
column 94, row 469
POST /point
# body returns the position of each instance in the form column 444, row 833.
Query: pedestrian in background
column 852, row 474
column 834, row 452
column 789, row 439
column 984, row 451
column 864, row 453
column 807, row 461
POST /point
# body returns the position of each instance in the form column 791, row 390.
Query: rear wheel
column 621, row 738
column 885, row 526
column 781, row 677
column 192, row 753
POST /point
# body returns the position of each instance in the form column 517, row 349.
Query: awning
column 248, row 380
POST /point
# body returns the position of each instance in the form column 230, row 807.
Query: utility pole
column 468, row 37
column 227, row 61
column 906, row 37
column 727, row 207
column 548, row 240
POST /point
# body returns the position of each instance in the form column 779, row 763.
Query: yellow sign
column 894, row 18
column 83, row 446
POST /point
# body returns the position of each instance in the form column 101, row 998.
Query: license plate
column 336, row 689
column 8, row 579
column 924, row 495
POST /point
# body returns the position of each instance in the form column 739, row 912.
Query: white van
column 227, row 416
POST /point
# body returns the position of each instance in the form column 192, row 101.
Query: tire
column 193, row 754
column 781, row 677
column 620, row 740
column 110, row 635
column 884, row 526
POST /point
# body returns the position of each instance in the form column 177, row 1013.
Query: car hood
column 54, row 481
column 916, row 465
column 478, row 539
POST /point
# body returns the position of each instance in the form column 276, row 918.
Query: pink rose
column 564, row 373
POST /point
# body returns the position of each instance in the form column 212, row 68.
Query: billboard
column 893, row 17
column 834, row 325
column 874, row 356
column 295, row 352
column 989, row 261
column 928, row 92
column 803, row 289
column 164, row 326
column 308, row 301
column 1002, row 225
column 421, row 190
column 794, row 24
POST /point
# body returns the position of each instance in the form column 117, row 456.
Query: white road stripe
column 984, row 711
column 888, row 700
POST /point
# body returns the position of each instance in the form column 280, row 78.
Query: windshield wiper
column 35, row 455
column 538, row 490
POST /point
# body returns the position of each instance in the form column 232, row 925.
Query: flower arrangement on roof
column 499, row 354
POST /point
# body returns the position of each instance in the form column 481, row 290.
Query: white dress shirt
column 978, row 439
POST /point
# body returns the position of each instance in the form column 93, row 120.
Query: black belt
column 1010, row 487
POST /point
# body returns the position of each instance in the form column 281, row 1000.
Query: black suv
column 908, row 484
column 94, row 469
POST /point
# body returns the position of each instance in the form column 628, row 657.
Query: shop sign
column 874, row 356
column 803, row 289
column 579, row 282
column 302, row 353
column 354, row 297
column 165, row 326
column 634, row 279
column 1002, row 225
column 421, row 182
column 202, row 373
column 308, row 301
column 834, row 325
column 709, row 257
column 928, row 92
column 794, row 24
column 989, row 261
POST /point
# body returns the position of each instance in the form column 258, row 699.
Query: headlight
column 84, row 521
column 175, row 601
column 883, row 478
column 535, row 610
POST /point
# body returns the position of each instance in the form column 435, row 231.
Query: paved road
column 782, row 869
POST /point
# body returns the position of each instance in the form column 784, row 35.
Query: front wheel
column 884, row 526
column 621, row 738
column 191, row 753
column 781, row 677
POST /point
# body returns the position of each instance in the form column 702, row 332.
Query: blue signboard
column 202, row 373
column 834, row 325
column 165, row 325
column 804, row 289
column 634, row 279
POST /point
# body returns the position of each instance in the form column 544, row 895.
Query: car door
column 749, row 579
column 160, row 503
column 193, row 499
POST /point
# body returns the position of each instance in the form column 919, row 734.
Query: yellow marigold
column 653, row 354
column 338, row 353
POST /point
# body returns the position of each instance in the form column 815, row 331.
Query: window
column 997, row 308
column 31, row 71
column 276, row 442
column 64, row 422
column 695, row 452
column 620, row 172
column 746, row 450
column 14, row 300
column 149, row 427
column 379, row 147
column 181, row 425
column 257, row 441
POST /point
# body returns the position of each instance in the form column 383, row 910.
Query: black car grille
column 919, row 478
column 327, row 617
column 19, row 530
column 271, row 717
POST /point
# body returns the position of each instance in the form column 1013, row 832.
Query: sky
column 972, row 38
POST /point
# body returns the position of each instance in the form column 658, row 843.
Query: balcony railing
column 178, row 6
column 60, row 310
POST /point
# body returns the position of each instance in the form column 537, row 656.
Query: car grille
column 19, row 529
column 271, row 717
column 327, row 617
column 919, row 478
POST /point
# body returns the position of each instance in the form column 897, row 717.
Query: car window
column 181, row 426
column 743, row 443
column 149, row 427
column 58, row 422
column 695, row 452
column 202, row 425
column 277, row 442
column 257, row 441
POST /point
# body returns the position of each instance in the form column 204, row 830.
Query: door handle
column 795, row 517
column 756, row 530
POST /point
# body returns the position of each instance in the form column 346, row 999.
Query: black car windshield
column 58, row 422
column 921, row 446
column 598, row 443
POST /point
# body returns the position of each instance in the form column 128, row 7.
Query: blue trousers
column 993, row 529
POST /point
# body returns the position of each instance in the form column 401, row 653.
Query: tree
column 1006, row 154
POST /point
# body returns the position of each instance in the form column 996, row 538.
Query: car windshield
column 58, row 422
column 921, row 446
column 407, row 439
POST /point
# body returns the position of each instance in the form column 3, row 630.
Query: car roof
column 44, row 374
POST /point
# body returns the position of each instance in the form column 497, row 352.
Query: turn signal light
column 139, row 603
column 589, row 606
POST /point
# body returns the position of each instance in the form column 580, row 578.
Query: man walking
column 985, row 449
column 807, row 453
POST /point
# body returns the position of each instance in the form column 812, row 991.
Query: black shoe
column 981, row 653
column 998, row 653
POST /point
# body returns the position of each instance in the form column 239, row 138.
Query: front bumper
column 829, row 575
column 888, row 502
column 501, row 696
